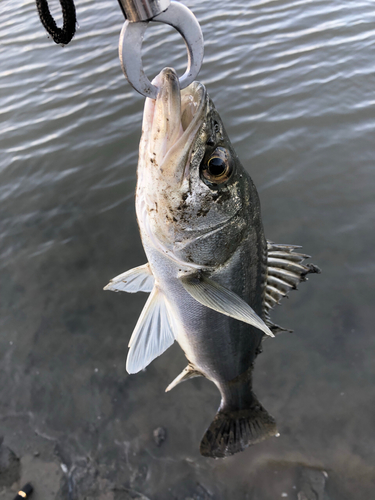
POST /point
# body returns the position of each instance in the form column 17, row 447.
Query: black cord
column 25, row 492
column 60, row 35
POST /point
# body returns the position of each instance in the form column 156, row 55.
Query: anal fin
column 186, row 374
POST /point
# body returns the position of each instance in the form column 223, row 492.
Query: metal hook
column 130, row 47
column 143, row 10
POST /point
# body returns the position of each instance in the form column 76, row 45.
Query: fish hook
column 130, row 46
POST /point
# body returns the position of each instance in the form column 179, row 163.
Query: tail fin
column 233, row 431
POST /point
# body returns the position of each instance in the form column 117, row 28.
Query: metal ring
column 130, row 47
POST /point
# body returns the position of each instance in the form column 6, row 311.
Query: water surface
column 295, row 85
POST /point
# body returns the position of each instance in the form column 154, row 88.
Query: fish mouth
column 171, row 122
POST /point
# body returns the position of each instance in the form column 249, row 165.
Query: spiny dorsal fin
column 285, row 271
column 152, row 334
column 275, row 329
column 139, row 279
column 188, row 372
column 209, row 293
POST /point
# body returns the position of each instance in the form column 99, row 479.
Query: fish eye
column 217, row 168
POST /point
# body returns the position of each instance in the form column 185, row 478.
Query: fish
column 211, row 275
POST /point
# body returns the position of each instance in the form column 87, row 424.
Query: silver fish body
column 208, row 270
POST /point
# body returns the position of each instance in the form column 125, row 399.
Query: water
column 295, row 85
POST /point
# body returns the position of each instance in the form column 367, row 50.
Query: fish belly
column 220, row 347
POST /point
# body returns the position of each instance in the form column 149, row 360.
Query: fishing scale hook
column 138, row 14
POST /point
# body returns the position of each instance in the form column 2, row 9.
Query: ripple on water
column 294, row 83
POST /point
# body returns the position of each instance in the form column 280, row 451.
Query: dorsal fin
column 285, row 270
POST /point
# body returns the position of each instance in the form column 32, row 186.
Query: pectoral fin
column 152, row 334
column 212, row 295
column 139, row 279
column 188, row 372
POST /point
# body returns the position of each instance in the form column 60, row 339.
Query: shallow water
column 295, row 85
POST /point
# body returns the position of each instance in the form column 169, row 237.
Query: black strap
column 60, row 35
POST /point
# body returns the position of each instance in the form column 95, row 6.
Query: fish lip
column 169, row 106
column 167, row 80
column 168, row 84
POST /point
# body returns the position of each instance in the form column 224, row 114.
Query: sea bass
column 211, row 274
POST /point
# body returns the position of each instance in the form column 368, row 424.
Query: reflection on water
column 294, row 83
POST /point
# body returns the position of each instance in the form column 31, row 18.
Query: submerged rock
column 160, row 435
column 10, row 468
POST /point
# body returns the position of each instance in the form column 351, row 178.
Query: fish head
column 193, row 193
